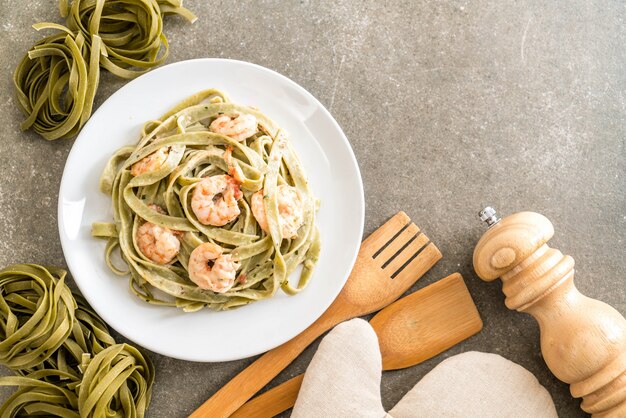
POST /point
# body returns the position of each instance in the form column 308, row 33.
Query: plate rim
column 321, row 308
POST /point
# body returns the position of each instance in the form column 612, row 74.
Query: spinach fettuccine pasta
column 66, row 362
column 57, row 80
column 212, row 208
column 131, row 30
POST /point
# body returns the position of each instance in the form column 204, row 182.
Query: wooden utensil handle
column 273, row 402
column 583, row 340
column 254, row 377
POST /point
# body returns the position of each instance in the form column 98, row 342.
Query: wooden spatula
column 389, row 262
column 410, row 330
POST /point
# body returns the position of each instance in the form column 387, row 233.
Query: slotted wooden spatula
column 390, row 260
column 410, row 330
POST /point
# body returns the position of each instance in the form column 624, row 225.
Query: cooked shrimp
column 290, row 211
column 214, row 200
column 239, row 127
column 157, row 208
column 233, row 169
column 150, row 163
column 210, row 269
column 160, row 244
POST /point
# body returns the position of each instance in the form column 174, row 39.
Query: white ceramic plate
column 206, row 335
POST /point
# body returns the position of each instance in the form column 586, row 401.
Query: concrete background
column 449, row 106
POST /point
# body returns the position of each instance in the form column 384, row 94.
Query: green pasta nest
column 67, row 363
column 57, row 80
column 265, row 160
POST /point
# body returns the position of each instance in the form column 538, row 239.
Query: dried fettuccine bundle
column 56, row 82
column 131, row 31
column 67, row 363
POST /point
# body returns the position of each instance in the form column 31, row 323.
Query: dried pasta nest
column 131, row 31
column 57, row 80
column 66, row 362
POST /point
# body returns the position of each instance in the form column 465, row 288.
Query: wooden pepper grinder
column 583, row 340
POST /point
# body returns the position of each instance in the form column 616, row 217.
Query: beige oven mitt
column 343, row 380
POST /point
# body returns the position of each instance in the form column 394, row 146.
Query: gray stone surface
column 448, row 105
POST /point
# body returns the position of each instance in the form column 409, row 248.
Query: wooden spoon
column 389, row 262
column 411, row 330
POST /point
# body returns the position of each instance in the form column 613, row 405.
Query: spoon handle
column 273, row 402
